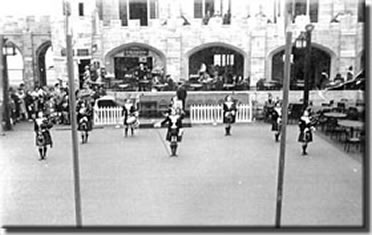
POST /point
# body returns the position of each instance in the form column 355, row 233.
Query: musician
column 229, row 112
column 276, row 119
column 269, row 106
column 130, row 114
column 174, row 122
column 42, row 137
column 306, row 126
column 84, row 118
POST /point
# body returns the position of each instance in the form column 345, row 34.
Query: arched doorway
column 15, row 67
column 45, row 64
column 124, row 60
column 217, row 59
column 320, row 62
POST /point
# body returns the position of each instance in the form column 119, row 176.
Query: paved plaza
column 215, row 180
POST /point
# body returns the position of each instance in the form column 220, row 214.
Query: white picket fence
column 204, row 114
column 108, row 116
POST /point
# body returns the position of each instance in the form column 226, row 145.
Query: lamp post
column 6, row 49
column 309, row 28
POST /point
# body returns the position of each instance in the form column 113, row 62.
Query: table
column 228, row 86
column 335, row 115
column 351, row 124
column 160, row 87
column 196, row 86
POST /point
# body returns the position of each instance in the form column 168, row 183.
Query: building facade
column 180, row 37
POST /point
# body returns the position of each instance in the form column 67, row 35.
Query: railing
column 107, row 116
column 203, row 114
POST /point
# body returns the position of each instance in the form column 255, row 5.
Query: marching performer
column 130, row 114
column 276, row 118
column 229, row 112
column 175, row 130
column 306, row 128
column 43, row 137
column 84, row 119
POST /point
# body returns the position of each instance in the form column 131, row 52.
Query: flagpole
column 72, row 101
column 281, row 165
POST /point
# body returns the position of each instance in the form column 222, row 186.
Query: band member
column 84, row 119
column 130, row 115
column 229, row 112
column 175, row 130
column 306, row 127
column 276, row 118
column 43, row 137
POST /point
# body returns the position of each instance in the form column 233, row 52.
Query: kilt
column 305, row 137
column 276, row 126
column 82, row 127
column 173, row 132
column 228, row 118
column 43, row 138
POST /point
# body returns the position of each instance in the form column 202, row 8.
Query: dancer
column 130, row 114
column 43, row 137
column 229, row 112
column 276, row 118
column 84, row 119
column 306, row 127
column 175, row 130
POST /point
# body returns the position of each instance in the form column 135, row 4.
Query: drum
column 131, row 120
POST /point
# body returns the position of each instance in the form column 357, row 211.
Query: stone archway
column 216, row 53
column 322, row 59
column 41, row 64
column 125, row 57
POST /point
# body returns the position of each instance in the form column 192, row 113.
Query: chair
column 352, row 113
column 334, row 129
column 354, row 139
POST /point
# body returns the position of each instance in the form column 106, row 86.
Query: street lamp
column 304, row 42
column 6, row 49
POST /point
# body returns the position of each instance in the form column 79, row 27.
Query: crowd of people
column 25, row 104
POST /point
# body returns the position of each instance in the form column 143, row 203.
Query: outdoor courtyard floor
column 215, row 180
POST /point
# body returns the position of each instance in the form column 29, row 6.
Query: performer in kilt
column 229, row 112
column 84, row 119
column 306, row 128
column 276, row 119
column 175, row 130
column 42, row 134
column 130, row 114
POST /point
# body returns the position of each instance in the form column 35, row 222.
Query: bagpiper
column 276, row 119
column 43, row 137
column 130, row 117
column 84, row 119
column 306, row 128
column 175, row 131
column 229, row 113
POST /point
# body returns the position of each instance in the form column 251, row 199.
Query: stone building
column 179, row 36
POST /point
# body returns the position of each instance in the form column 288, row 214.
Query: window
column 223, row 59
column 214, row 7
column 154, row 14
column 81, row 9
column 198, row 9
column 361, row 10
column 123, row 12
column 141, row 10
column 304, row 7
column 99, row 6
